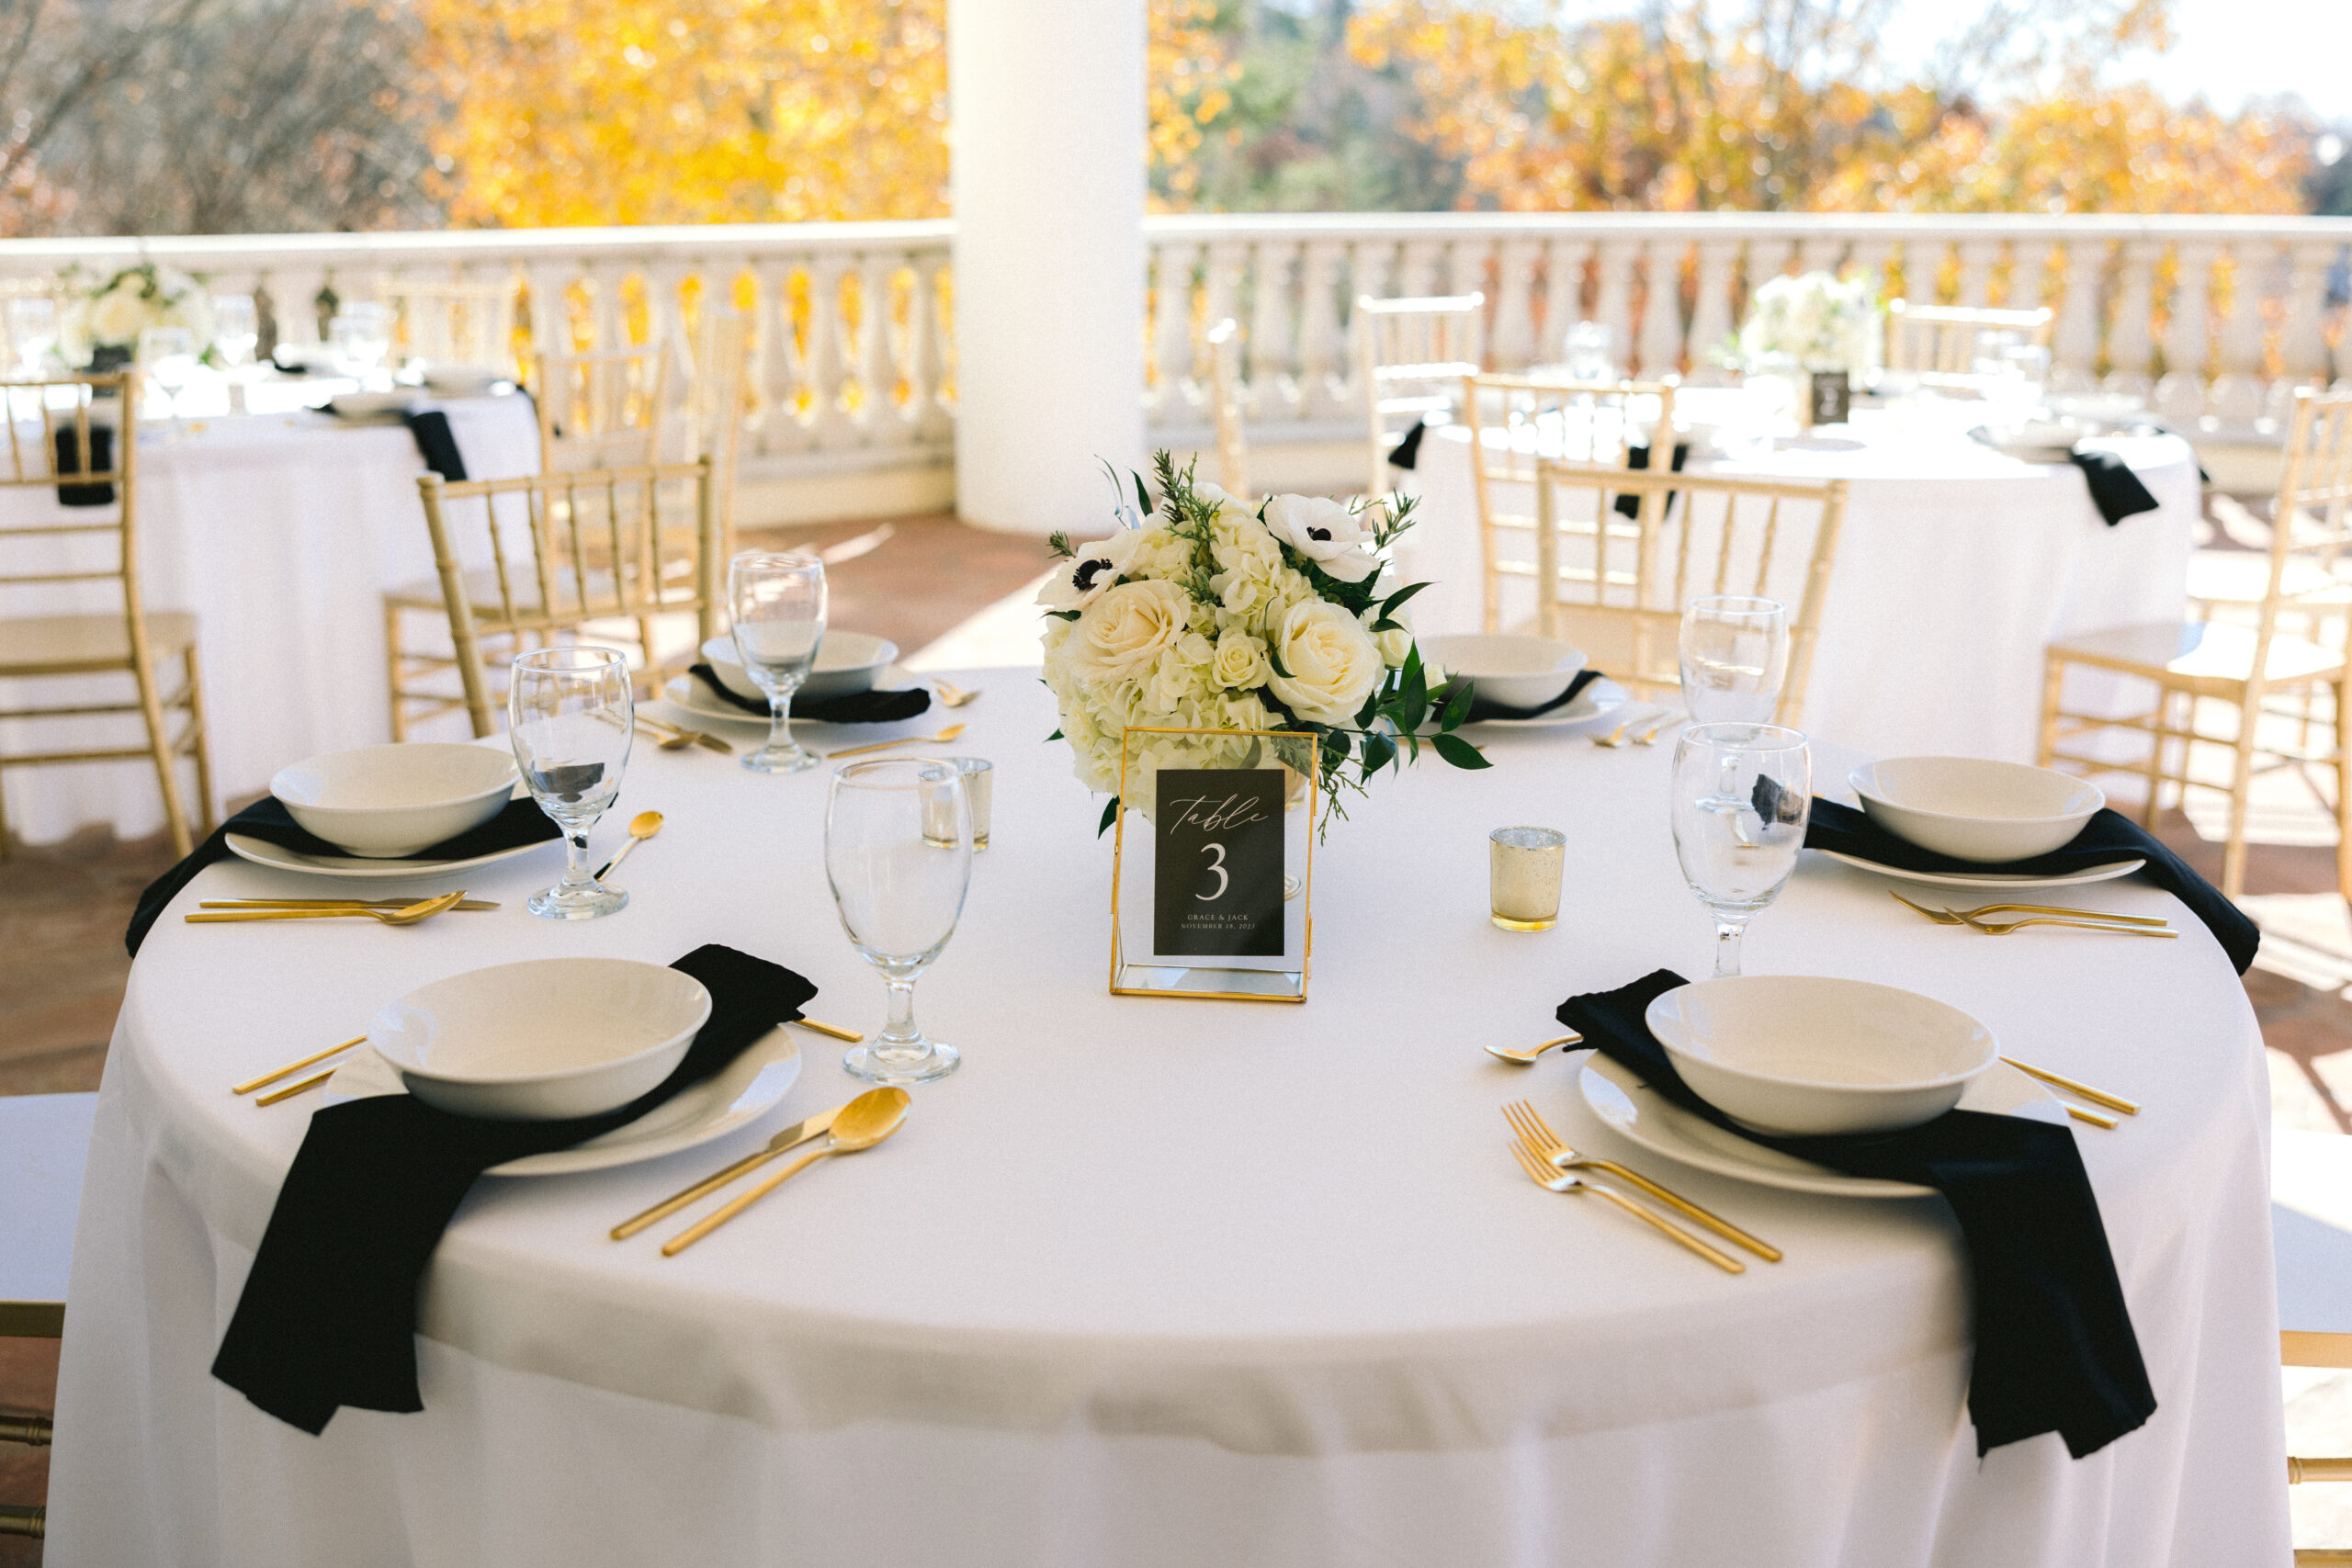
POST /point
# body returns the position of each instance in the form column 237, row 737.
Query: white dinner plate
column 1993, row 878
column 1594, row 703
column 262, row 852
column 1632, row 1110
column 746, row 1089
column 686, row 692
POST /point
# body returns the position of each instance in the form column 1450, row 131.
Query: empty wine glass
column 1735, row 657
column 898, row 857
column 32, row 330
column 1742, row 795
column 168, row 357
column 236, row 328
column 571, row 715
column 1591, row 349
column 777, row 601
column 359, row 336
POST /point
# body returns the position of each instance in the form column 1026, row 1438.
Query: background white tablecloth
column 1955, row 566
column 1153, row 1281
column 282, row 531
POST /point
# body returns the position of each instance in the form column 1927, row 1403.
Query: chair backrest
column 1616, row 586
column 88, row 451
column 2311, row 527
column 1943, row 339
column 1517, row 420
column 1411, row 354
column 1225, row 405
column 544, row 554
column 610, row 408
column 450, row 323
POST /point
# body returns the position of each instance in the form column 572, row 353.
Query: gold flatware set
column 942, row 739
column 677, row 736
column 1541, row 1141
column 1642, row 729
column 2038, row 915
column 390, row 915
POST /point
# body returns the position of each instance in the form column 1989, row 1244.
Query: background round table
column 1154, row 1281
column 1955, row 567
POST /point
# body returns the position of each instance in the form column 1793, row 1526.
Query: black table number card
column 1218, row 863
column 1832, row 394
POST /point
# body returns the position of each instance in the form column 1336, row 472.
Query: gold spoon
column 1524, row 1058
column 945, row 736
column 862, row 1124
column 407, row 917
column 677, row 742
column 641, row 827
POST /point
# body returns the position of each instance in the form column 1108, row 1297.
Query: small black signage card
column 1832, row 396
column 1218, row 875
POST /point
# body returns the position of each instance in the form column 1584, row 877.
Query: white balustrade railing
column 2215, row 318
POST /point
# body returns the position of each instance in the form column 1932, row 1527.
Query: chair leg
column 203, row 749
column 2054, row 677
column 4, row 816
column 393, row 669
column 159, row 744
column 2343, row 795
column 2241, row 785
column 2156, row 760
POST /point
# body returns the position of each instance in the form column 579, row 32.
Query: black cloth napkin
column 69, row 461
column 521, row 823
column 435, row 444
column 868, row 707
column 2115, row 490
column 2107, row 838
column 1481, row 709
column 1639, row 457
column 1408, row 450
column 2054, row 1347
column 328, row 1317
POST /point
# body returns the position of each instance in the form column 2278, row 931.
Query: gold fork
column 403, row 917
column 1617, row 735
column 1949, row 916
column 1529, row 1124
column 2003, row 928
column 1544, row 1175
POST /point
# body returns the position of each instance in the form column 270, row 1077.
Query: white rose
column 1332, row 662
column 1239, row 663
column 1121, row 634
column 1083, row 578
column 118, row 317
column 1326, row 533
column 1394, row 643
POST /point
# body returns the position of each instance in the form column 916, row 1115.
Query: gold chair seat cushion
column 77, row 645
column 2200, row 652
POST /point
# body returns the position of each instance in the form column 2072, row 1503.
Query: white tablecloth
column 1955, row 566
column 282, row 531
column 1153, row 1281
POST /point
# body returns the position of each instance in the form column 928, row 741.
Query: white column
column 1047, row 131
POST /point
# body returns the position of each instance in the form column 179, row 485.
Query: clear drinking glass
column 1742, row 795
column 1591, row 351
column 778, row 603
column 360, row 336
column 32, row 330
column 898, row 881
column 168, row 357
column 979, row 786
column 236, row 328
column 570, row 715
column 1735, row 657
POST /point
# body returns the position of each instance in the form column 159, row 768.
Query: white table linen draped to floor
column 282, row 531
column 1162, row 1282
column 1955, row 566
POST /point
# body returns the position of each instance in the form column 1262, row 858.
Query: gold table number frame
column 1154, row 974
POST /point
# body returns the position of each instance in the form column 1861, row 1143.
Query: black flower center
column 1088, row 570
column 1320, row 535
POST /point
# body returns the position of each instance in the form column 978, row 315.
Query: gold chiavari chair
column 1411, row 354
column 1516, row 420
column 44, row 1143
column 1225, row 405
column 1617, row 588
column 1942, row 340
column 537, row 560
column 606, row 410
column 102, row 548
column 2253, row 668
column 2311, row 1229
column 452, row 323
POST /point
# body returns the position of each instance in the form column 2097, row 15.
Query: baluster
column 1168, row 400
column 878, row 357
column 935, row 350
column 2029, row 262
column 1221, row 277
column 1325, row 370
column 1977, row 258
column 1612, row 295
column 1373, row 267
column 828, row 363
column 1273, row 390
column 293, row 291
column 1564, row 261
column 1768, row 258
column 2237, row 392
column 1419, row 268
column 1711, row 315
column 665, row 323
column 1662, row 309
column 2302, row 343
column 2130, row 343
column 1821, row 253
column 2073, row 344
column 1511, row 345
column 781, row 426
column 2189, row 335
column 550, row 310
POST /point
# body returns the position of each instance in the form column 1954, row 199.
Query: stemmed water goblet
column 1735, row 658
column 359, row 336
column 1743, row 793
column 32, row 330
column 778, row 603
column 899, row 858
column 236, row 328
column 168, row 357
column 572, row 714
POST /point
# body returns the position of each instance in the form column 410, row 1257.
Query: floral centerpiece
column 1817, row 321
column 1212, row 615
column 111, row 314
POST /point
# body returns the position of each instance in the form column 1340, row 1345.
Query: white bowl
column 545, row 1038
column 847, row 662
column 1975, row 809
column 464, row 381
column 375, row 405
column 1797, row 1053
column 386, row 802
column 1518, row 671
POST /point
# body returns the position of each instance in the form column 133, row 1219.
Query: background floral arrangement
column 112, row 313
column 1215, row 616
column 1821, row 323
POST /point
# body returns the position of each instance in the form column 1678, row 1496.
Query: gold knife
column 791, row 1138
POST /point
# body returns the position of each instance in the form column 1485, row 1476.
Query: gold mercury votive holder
column 1525, row 866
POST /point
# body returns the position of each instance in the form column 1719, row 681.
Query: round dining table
column 1162, row 1281
column 1956, row 565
